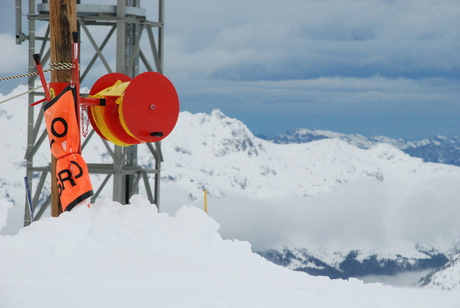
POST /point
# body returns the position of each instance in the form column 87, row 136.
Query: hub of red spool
column 110, row 112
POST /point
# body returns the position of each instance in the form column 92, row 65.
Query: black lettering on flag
column 68, row 177
column 79, row 168
column 53, row 130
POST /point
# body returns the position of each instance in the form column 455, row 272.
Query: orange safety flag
column 72, row 175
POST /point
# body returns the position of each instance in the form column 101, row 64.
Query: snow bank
column 111, row 255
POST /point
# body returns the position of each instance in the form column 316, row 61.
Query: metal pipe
column 161, row 31
column 19, row 35
column 109, row 35
column 30, row 115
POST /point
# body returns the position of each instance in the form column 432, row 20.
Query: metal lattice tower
column 129, row 22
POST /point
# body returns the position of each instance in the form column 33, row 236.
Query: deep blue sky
column 373, row 67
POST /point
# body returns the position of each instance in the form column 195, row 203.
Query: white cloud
column 337, row 95
column 14, row 57
column 362, row 214
column 272, row 40
column 314, row 38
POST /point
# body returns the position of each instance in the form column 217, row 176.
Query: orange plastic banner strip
column 74, row 184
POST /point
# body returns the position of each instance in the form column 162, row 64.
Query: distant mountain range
column 438, row 149
column 355, row 263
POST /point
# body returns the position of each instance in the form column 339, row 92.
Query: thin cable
column 20, row 95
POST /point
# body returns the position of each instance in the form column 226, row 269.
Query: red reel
column 148, row 112
column 150, row 107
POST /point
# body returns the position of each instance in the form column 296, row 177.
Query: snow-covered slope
column 4, row 208
column 445, row 278
column 130, row 256
column 13, row 127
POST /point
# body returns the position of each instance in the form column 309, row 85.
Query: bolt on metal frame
column 129, row 22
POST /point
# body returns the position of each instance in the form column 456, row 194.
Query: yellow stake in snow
column 205, row 201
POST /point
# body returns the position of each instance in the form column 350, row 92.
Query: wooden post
column 63, row 21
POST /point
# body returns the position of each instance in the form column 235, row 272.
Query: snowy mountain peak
column 222, row 135
column 216, row 113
